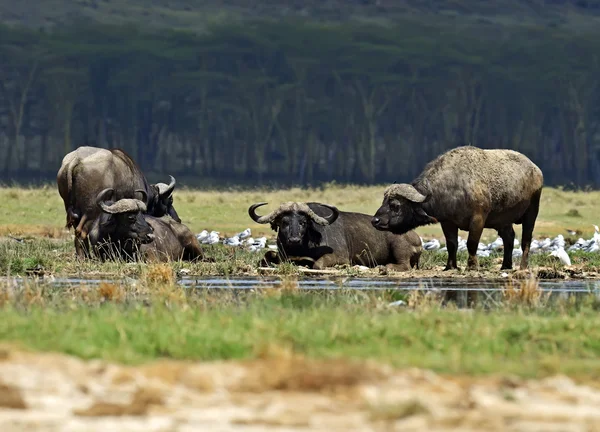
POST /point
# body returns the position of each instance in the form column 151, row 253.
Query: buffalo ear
column 422, row 216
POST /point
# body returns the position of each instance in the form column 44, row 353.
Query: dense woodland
column 299, row 101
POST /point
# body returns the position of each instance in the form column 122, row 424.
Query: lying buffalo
column 88, row 170
column 322, row 234
column 119, row 229
column 470, row 189
column 123, row 231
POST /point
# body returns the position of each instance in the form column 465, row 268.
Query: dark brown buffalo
column 123, row 231
column 322, row 234
column 173, row 241
column 88, row 170
column 118, row 231
column 470, row 189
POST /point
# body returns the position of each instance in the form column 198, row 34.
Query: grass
column 156, row 319
column 37, row 216
column 40, row 211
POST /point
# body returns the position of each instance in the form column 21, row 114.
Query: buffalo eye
column 394, row 206
column 131, row 218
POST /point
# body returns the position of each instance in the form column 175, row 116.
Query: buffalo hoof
column 447, row 268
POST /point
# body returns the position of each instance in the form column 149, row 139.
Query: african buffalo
column 123, row 231
column 87, row 170
column 324, row 235
column 173, row 241
column 119, row 229
column 470, row 189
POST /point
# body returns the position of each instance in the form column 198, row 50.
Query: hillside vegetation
column 368, row 97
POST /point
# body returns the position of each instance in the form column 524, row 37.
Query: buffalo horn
column 405, row 190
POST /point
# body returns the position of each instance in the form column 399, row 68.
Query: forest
column 299, row 101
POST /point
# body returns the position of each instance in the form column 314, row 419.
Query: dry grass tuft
column 160, row 274
column 424, row 300
column 111, row 292
column 525, row 292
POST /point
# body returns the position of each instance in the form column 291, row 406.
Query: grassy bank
column 55, row 257
column 159, row 320
column 40, row 211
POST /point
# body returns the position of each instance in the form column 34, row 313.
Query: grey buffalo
column 470, row 189
column 88, row 170
column 323, row 235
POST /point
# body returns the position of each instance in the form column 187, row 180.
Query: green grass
column 37, row 214
column 40, row 211
column 56, row 257
column 118, row 324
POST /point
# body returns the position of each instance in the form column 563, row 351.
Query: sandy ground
column 51, row 392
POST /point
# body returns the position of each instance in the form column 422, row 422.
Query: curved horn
column 405, row 190
column 170, row 187
column 101, row 197
column 261, row 219
column 323, row 221
column 333, row 216
column 124, row 205
column 144, row 195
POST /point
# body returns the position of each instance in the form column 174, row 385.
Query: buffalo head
column 123, row 220
column 161, row 200
column 293, row 221
column 402, row 210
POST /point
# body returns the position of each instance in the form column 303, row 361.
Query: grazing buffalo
column 123, row 231
column 322, row 234
column 88, row 170
column 470, row 189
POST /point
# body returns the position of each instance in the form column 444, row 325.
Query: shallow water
column 338, row 283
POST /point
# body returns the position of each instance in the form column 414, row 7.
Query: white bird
column 212, row 238
column 202, row 236
column 244, row 234
column 232, row 241
column 517, row 253
column 483, row 253
column 496, row 244
column 432, row 245
column 562, row 256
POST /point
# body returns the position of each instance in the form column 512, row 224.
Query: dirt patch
column 279, row 391
column 10, row 397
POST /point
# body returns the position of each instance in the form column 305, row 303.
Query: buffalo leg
column 399, row 267
column 507, row 234
column 414, row 260
column 80, row 225
column 451, row 235
column 328, row 260
column 475, row 231
column 528, row 224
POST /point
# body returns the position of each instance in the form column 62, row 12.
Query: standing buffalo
column 87, row 170
column 326, row 236
column 470, row 189
column 123, row 231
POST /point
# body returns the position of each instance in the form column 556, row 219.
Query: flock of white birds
column 554, row 247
